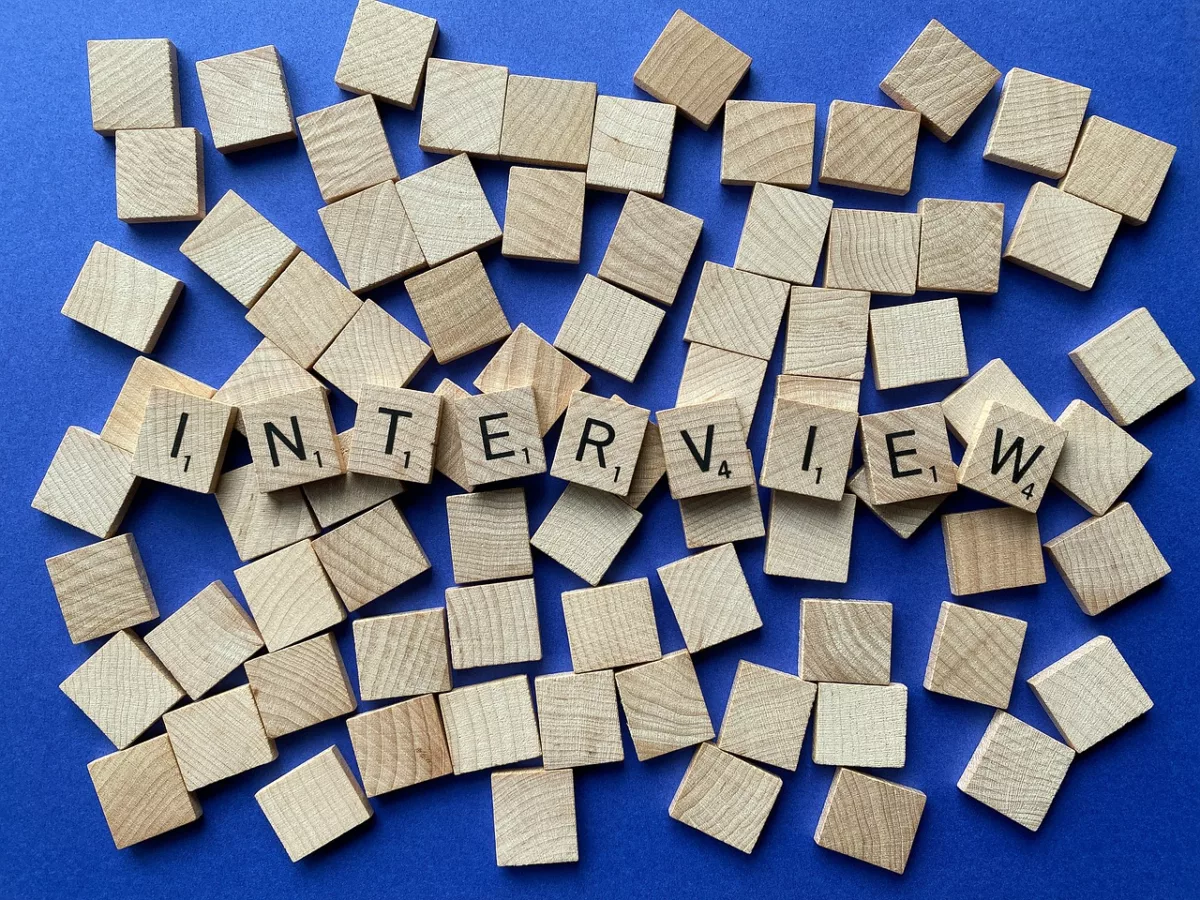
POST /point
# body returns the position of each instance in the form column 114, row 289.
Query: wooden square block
column 372, row 238
column 526, row 360
column 710, row 373
column 385, row 54
column 704, row 447
column 246, row 99
column 834, row 393
column 809, row 538
column 941, row 78
column 400, row 745
column 578, row 716
column 102, row 588
column 848, row 641
column 205, row 639
column 737, row 311
column 218, row 738
column 134, row 84
column 292, row 440
column 1016, row 770
column 861, row 725
column 347, row 147
column 1036, row 123
column 960, row 246
column 543, row 218
column 490, row 724
column 493, row 624
column 402, row 655
column 463, row 108
column 974, row 655
column 371, row 554
column 1132, row 367
column 534, row 817
column 808, row 449
column 160, row 175
column 585, row 530
column 1011, row 456
column 827, row 333
column 548, row 121
column 783, row 233
column 1062, row 237
column 1098, row 460
column 906, row 454
column 122, row 297
column 458, row 308
column 611, row 626
column 1090, row 693
column 650, row 248
column 1118, row 168
column 903, row 518
column 289, row 595
column 631, row 146
column 870, row 819
column 600, row 443
column 124, row 421
column 448, row 210
column 397, row 431
column 871, row 250
column 336, row 499
column 768, row 143
column 500, row 435
column 870, row 147
column 140, row 789
column 766, row 716
column 992, row 549
column 651, row 465
column 710, row 597
column 609, row 328
column 725, row 797
column 723, row 517
column 373, row 349
column 663, row 705
column 489, row 536
column 300, row 686
column 267, row 372
column 449, row 458
column 963, row 407
column 258, row 522
column 917, row 343
column 90, row 483
column 183, row 440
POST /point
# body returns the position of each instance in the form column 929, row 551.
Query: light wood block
column 1061, row 237
column 140, row 789
column 906, row 454
column 650, row 248
column 960, row 246
column 585, row 530
column 974, row 655
column 373, row 349
column 1011, row 456
column 89, row 484
column 289, row 595
column 336, row 499
column 737, row 311
column 371, row 237
column 449, row 459
column 769, row 143
column 526, row 360
column 577, row 713
column 1036, row 123
column 710, row 373
column 102, row 588
column 493, row 624
column 347, row 147
column 631, row 146
column 458, row 308
column 808, row 538
column 182, row 441
column 122, row 297
column 1098, row 460
column 870, row 819
column 874, row 251
column 260, row 523
column 872, row 148
column 783, row 233
column 847, row 641
column 600, row 442
column 835, row 393
column 124, row 421
column 489, row 536
column 710, row 597
column 402, row 655
column 766, row 716
column 397, row 432
column 809, row 449
column 664, row 707
column 534, row 817
column 611, row 626
column 266, row 373
column 218, row 738
column 827, row 333
column 1118, row 168
column 490, row 724
column 448, row 210
column 917, row 343
column 371, row 554
column 246, row 99
column 721, row 518
column 609, row 328
column 861, row 725
column 725, row 797
column 903, row 518
column 292, row 440
column 300, row 686
column 963, row 407
column 133, row 84
column 400, row 745
column 500, row 435
column 385, row 54
column 992, row 550
column 548, row 121
column 463, row 107
column 160, row 175
column 651, row 465
column 543, row 218
column 704, row 448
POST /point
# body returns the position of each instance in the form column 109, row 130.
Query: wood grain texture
column 289, row 595
column 292, row 439
column 906, row 454
column 611, row 626
column 133, row 84
column 124, row 421
column 490, row 724
column 651, row 465
column 664, row 707
column 783, row 233
column 371, row 237
column 102, row 588
column 374, row 348
column 870, row 819
column 704, row 447
column 1062, row 237
column 609, row 328
column 526, row 360
column 543, row 217
column 160, row 175
column 848, row 641
column 974, row 655
column 402, row 655
column 1011, row 456
column 963, row 407
column 182, row 440
column 347, row 147
column 1036, row 123
column 385, row 53
column 300, row 686
column 246, row 99
column 809, row 538
column 493, row 624
column 721, row 518
column 917, row 343
column 218, row 738
column 489, row 535
column 710, row 597
column 577, row 714
column 631, row 146
column 336, row 499
column 448, row 210
column 872, row 148
column 534, row 817
column 1118, row 168
column 548, row 121
column 861, row 725
column 766, row 716
column 463, row 108
column 89, row 484
column 141, row 792
column 500, row 435
column 874, row 251
column 827, row 332
column 737, row 310
column 960, row 246
column 600, row 442
column 725, row 797
column 904, row 517
column 834, row 393
column 458, row 308
column 769, row 143
column 808, row 449
column 449, row 460
column 992, row 550
column 399, row 745
column 396, row 432
column 259, row 522
column 585, row 530
column 122, row 297
column 267, row 372
column 1098, row 460
column 710, row 373
column 650, row 248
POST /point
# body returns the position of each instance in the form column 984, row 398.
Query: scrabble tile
column 870, row 819
column 600, row 443
column 692, row 67
column 1036, row 123
column 102, row 588
column 493, row 624
column 543, row 217
column 300, row 686
column 313, row 804
column 347, row 147
column 1011, row 456
column 134, row 84
column 490, row 724
column 941, row 78
column 1132, row 367
column 1098, row 460
column 141, row 791
column 336, row 499
column 402, row 655
column 577, row 713
column 917, row 343
column 783, row 233
column 650, row 248
column 489, row 536
column 737, row 311
column 218, row 738
column 548, row 121
column 704, row 447
column 963, row 407
column 122, row 297
column 160, row 175
column 808, row 449
column 848, row 641
column 860, row 725
column 399, row 745
column 903, row 518
column 1062, row 237
column 458, row 308
column 292, row 441
column 1016, row 770
column 974, row 655
column 258, row 522
column 768, row 143
column 826, row 333
column 500, row 435
column 609, row 328
column 526, row 360
column 246, row 99
column 960, row 246
column 710, row 373
column 663, row 705
column 385, row 53
column 1090, row 693
column 875, row 251
column 992, row 549
column 289, row 595
column 448, row 210
column 182, row 441
column 122, row 688
column 723, row 517
column 631, row 146
column 725, row 797
column 266, row 373
column 371, row 237
column 125, row 419
column 1118, row 168
column 205, row 639
column 906, row 454
column 534, row 817
column 585, row 530
column 449, row 459
column 766, row 716
column 89, row 484
column 397, row 431
column 371, row 554
column 651, row 466
column 373, row 349
column 809, row 538
column 463, row 108
column 872, row 148
column 835, row 393
column 710, row 597
column 611, row 626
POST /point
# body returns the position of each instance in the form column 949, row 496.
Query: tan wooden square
column 1118, row 168
column 260, row 522
column 960, row 246
column 402, row 655
column 769, row 143
column 347, row 147
column 704, row 447
column 463, row 107
column 534, row 817
column 141, row 792
column 134, row 84
column 737, row 310
column 766, row 716
column 783, row 233
column 1036, row 123
column 585, row 530
column 874, row 251
column 489, row 536
column 906, row 454
column 826, row 333
column 246, row 99
column 974, row 655
column 808, row 538
column 448, row 210
column 663, row 705
column 371, row 554
column 89, row 484
column 458, row 308
column 218, row 738
column 991, row 550
column 490, row 724
column 1098, row 460
column 493, row 624
column 548, row 121
column 385, row 53
column 577, row 713
column 847, row 641
column 631, row 146
column 963, row 407
column 289, row 595
column 1062, row 237
column 102, row 588
column 160, row 175
column 917, row 343
column 870, row 147
column 725, row 797
column 861, row 725
column 543, row 218
column 650, row 248
column 300, row 686
column 292, row 440
column 710, row 597
column 400, row 745
column 611, row 626
column 870, row 819
column 371, row 237
column 721, row 518
column 609, row 328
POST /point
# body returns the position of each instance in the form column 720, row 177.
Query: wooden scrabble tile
column 875, row 251
column 122, row 297
column 577, row 714
column 905, row 517
column 710, row 597
column 124, row 421
column 1011, row 456
column 870, row 819
column 963, row 407
column 941, row 78
column 300, row 686
column 458, row 308
column 373, row 349
column 827, row 333
column 1036, row 123
column 663, row 705
column 371, row 237
column 267, row 372
column 651, row 465
column 861, row 725
column 500, row 435
column 600, row 443
column 650, row 248
column 337, row 499
column 906, row 454
column 847, row 641
column 543, row 218
column 89, row 484
column 1062, row 237
column 766, row 716
column 710, row 373
column 160, row 175
column 402, row 655
column 704, row 447
column 489, row 536
column 399, row 745
column 725, row 797
column 347, row 147
column 526, row 360
column 292, row 440
column 141, row 791
column 246, row 99
column 960, row 246
column 1132, row 367
column 609, row 328
column 1118, row 168
column 783, row 233
column 533, row 814
column 371, row 554
column 134, row 84
column 314, row 803
column 548, row 121
column 808, row 449
column 992, row 549
column 917, row 343
column 974, row 655
column 449, row 459
column 835, row 393
column 183, row 439
column 102, row 588
column 808, row 538
column 385, row 54
column 397, row 431
column 1090, row 693
column 493, row 624
column 258, row 522
column 1016, row 770
column 585, row 530
column 611, row 626
column 737, row 311
column 490, row 724
column 463, row 108
column 205, row 639
column 448, row 210
column 722, row 517
column 692, row 67
column 631, row 146
column 289, row 595
column 1098, row 460
column 218, row 738
column 872, row 148
column 768, row 143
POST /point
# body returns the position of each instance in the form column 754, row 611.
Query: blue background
column 1126, row 817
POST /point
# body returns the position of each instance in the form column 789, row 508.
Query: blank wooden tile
column 543, row 218
column 1062, row 237
column 313, row 804
column 218, row 738
column 372, row 238
column 385, row 53
column 122, row 297
column 835, row 393
column 490, row 724
column 493, row 624
column 160, row 175
column 246, row 99
column 611, row 626
column 870, row 147
column 991, row 550
column 1118, row 168
column 449, row 459
column 847, row 641
column 458, row 308
column 399, row 745
column 906, row 454
column 347, row 147
column 289, row 595
column 133, row 84
column 448, row 210
column 396, row 431
column 526, row 360
column 371, row 554
column 710, row 373
column 402, row 655
column 336, row 499
column 577, row 714
column 1132, row 367
column 463, row 107
column 917, row 343
column 1011, row 456
column 585, row 530
column 258, row 522
column 768, row 142
column 827, row 333
column 808, row 538
column 766, row 716
column 1036, row 123
column 974, row 655
column 963, row 407
column 102, row 588
column 534, row 817
column 663, row 705
column 737, row 311
column 783, row 233
column 725, row 797
column 489, row 535
column 1090, row 693
column 373, row 349
column 861, row 725
column 903, row 518
column 650, row 248
column 808, row 449
column 704, row 447
column 183, row 439
column 89, row 484
column 300, row 686
column 267, row 372
column 600, row 443
column 871, row 250
column 631, row 146
column 960, row 246
column 723, row 517
column 710, row 597
column 141, row 792
column 609, row 328
column 499, row 434
column 870, row 819
column 548, row 121
column 292, row 440
column 651, row 465
column 1098, row 460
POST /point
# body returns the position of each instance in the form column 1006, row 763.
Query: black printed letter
column 395, row 414
column 894, row 454
column 296, row 445
column 488, row 436
column 600, row 444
